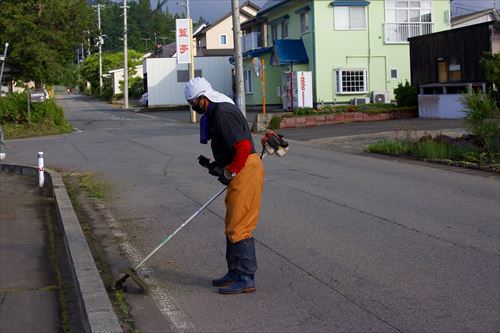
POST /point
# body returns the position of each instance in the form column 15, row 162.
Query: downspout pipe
column 313, row 27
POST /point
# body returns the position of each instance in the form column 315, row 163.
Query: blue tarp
column 289, row 51
column 257, row 52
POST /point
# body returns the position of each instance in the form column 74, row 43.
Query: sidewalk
column 48, row 279
column 28, row 284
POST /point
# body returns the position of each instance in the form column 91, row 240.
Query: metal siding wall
column 163, row 88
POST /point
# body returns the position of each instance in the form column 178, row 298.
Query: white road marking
column 166, row 303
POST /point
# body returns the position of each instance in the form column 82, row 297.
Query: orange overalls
column 243, row 200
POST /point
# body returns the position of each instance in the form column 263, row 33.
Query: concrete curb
column 96, row 311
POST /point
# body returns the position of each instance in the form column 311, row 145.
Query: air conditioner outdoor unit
column 380, row 97
column 361, row 100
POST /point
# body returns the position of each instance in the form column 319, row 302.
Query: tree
column 89, row 69
column 146, row 27
column 490, row 64
column 42, row 35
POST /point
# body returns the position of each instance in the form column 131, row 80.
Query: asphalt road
column 346, row 243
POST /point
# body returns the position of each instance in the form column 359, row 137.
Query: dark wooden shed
column 452, row 56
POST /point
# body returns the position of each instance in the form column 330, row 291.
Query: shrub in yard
column 275, row 122
column 481, row 110
column 13, row 108
column 46, row 118
column 48, row 113
column 304, row 111
column 136, row 87
column 406, row 95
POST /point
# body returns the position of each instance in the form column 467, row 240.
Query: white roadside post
column 40, row 169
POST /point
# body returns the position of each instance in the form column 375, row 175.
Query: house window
column 349, row 17
column 284, row 29
column 304, row 22
column 448, row 69
column 351, row 81
column 394, row 74
column 400, row 11
column 223, row 40
column 407, row 18
column 247, row 75
column 274, row 32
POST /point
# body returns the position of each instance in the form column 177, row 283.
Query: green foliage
column 147, row 27
column 136, row 87
column 70, row 76
column 304, row 111
column 406, row 95
column 481, row 110
column 432, row 150
column 490, row 64
column 389, row 147
column 13, row 108
column 364, row 108
column 275, row 122
column 48, row 113
column 42, row 36
column 439, row 148
column 46, row 118
column 89, row 69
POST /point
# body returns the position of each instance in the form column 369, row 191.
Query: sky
column 211, row 10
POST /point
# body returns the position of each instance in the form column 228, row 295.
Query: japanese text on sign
column 183, row 35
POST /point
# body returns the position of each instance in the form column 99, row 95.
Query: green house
column 357, row 50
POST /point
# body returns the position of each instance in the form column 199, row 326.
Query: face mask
column 198, row 109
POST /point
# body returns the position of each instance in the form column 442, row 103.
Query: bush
column 136, row 87
column 304, row 111
column 13, row 108
column 48, row 113
column 481, row 110
column 275, row 122
column 406, row 95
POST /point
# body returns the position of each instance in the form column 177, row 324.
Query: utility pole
column 146, row 42
column 125, row 57
column 240, row 89
column 88, row 43
column 191, row 63
column 99, row 44
column 4, row 58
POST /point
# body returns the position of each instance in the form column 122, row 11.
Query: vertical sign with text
column 183, row 40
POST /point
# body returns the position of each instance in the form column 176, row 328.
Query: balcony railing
column 251, row 41
column 398, row 33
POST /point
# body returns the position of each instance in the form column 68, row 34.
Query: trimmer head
column 129, row 272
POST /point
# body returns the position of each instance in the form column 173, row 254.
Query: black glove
column 211, row 166
column 204, row 161
column 214, row 170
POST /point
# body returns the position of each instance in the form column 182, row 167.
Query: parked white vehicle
column 144, row 99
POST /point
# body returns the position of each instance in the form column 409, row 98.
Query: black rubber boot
column 246, row 265
column 244, row 284
column 231, row 275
